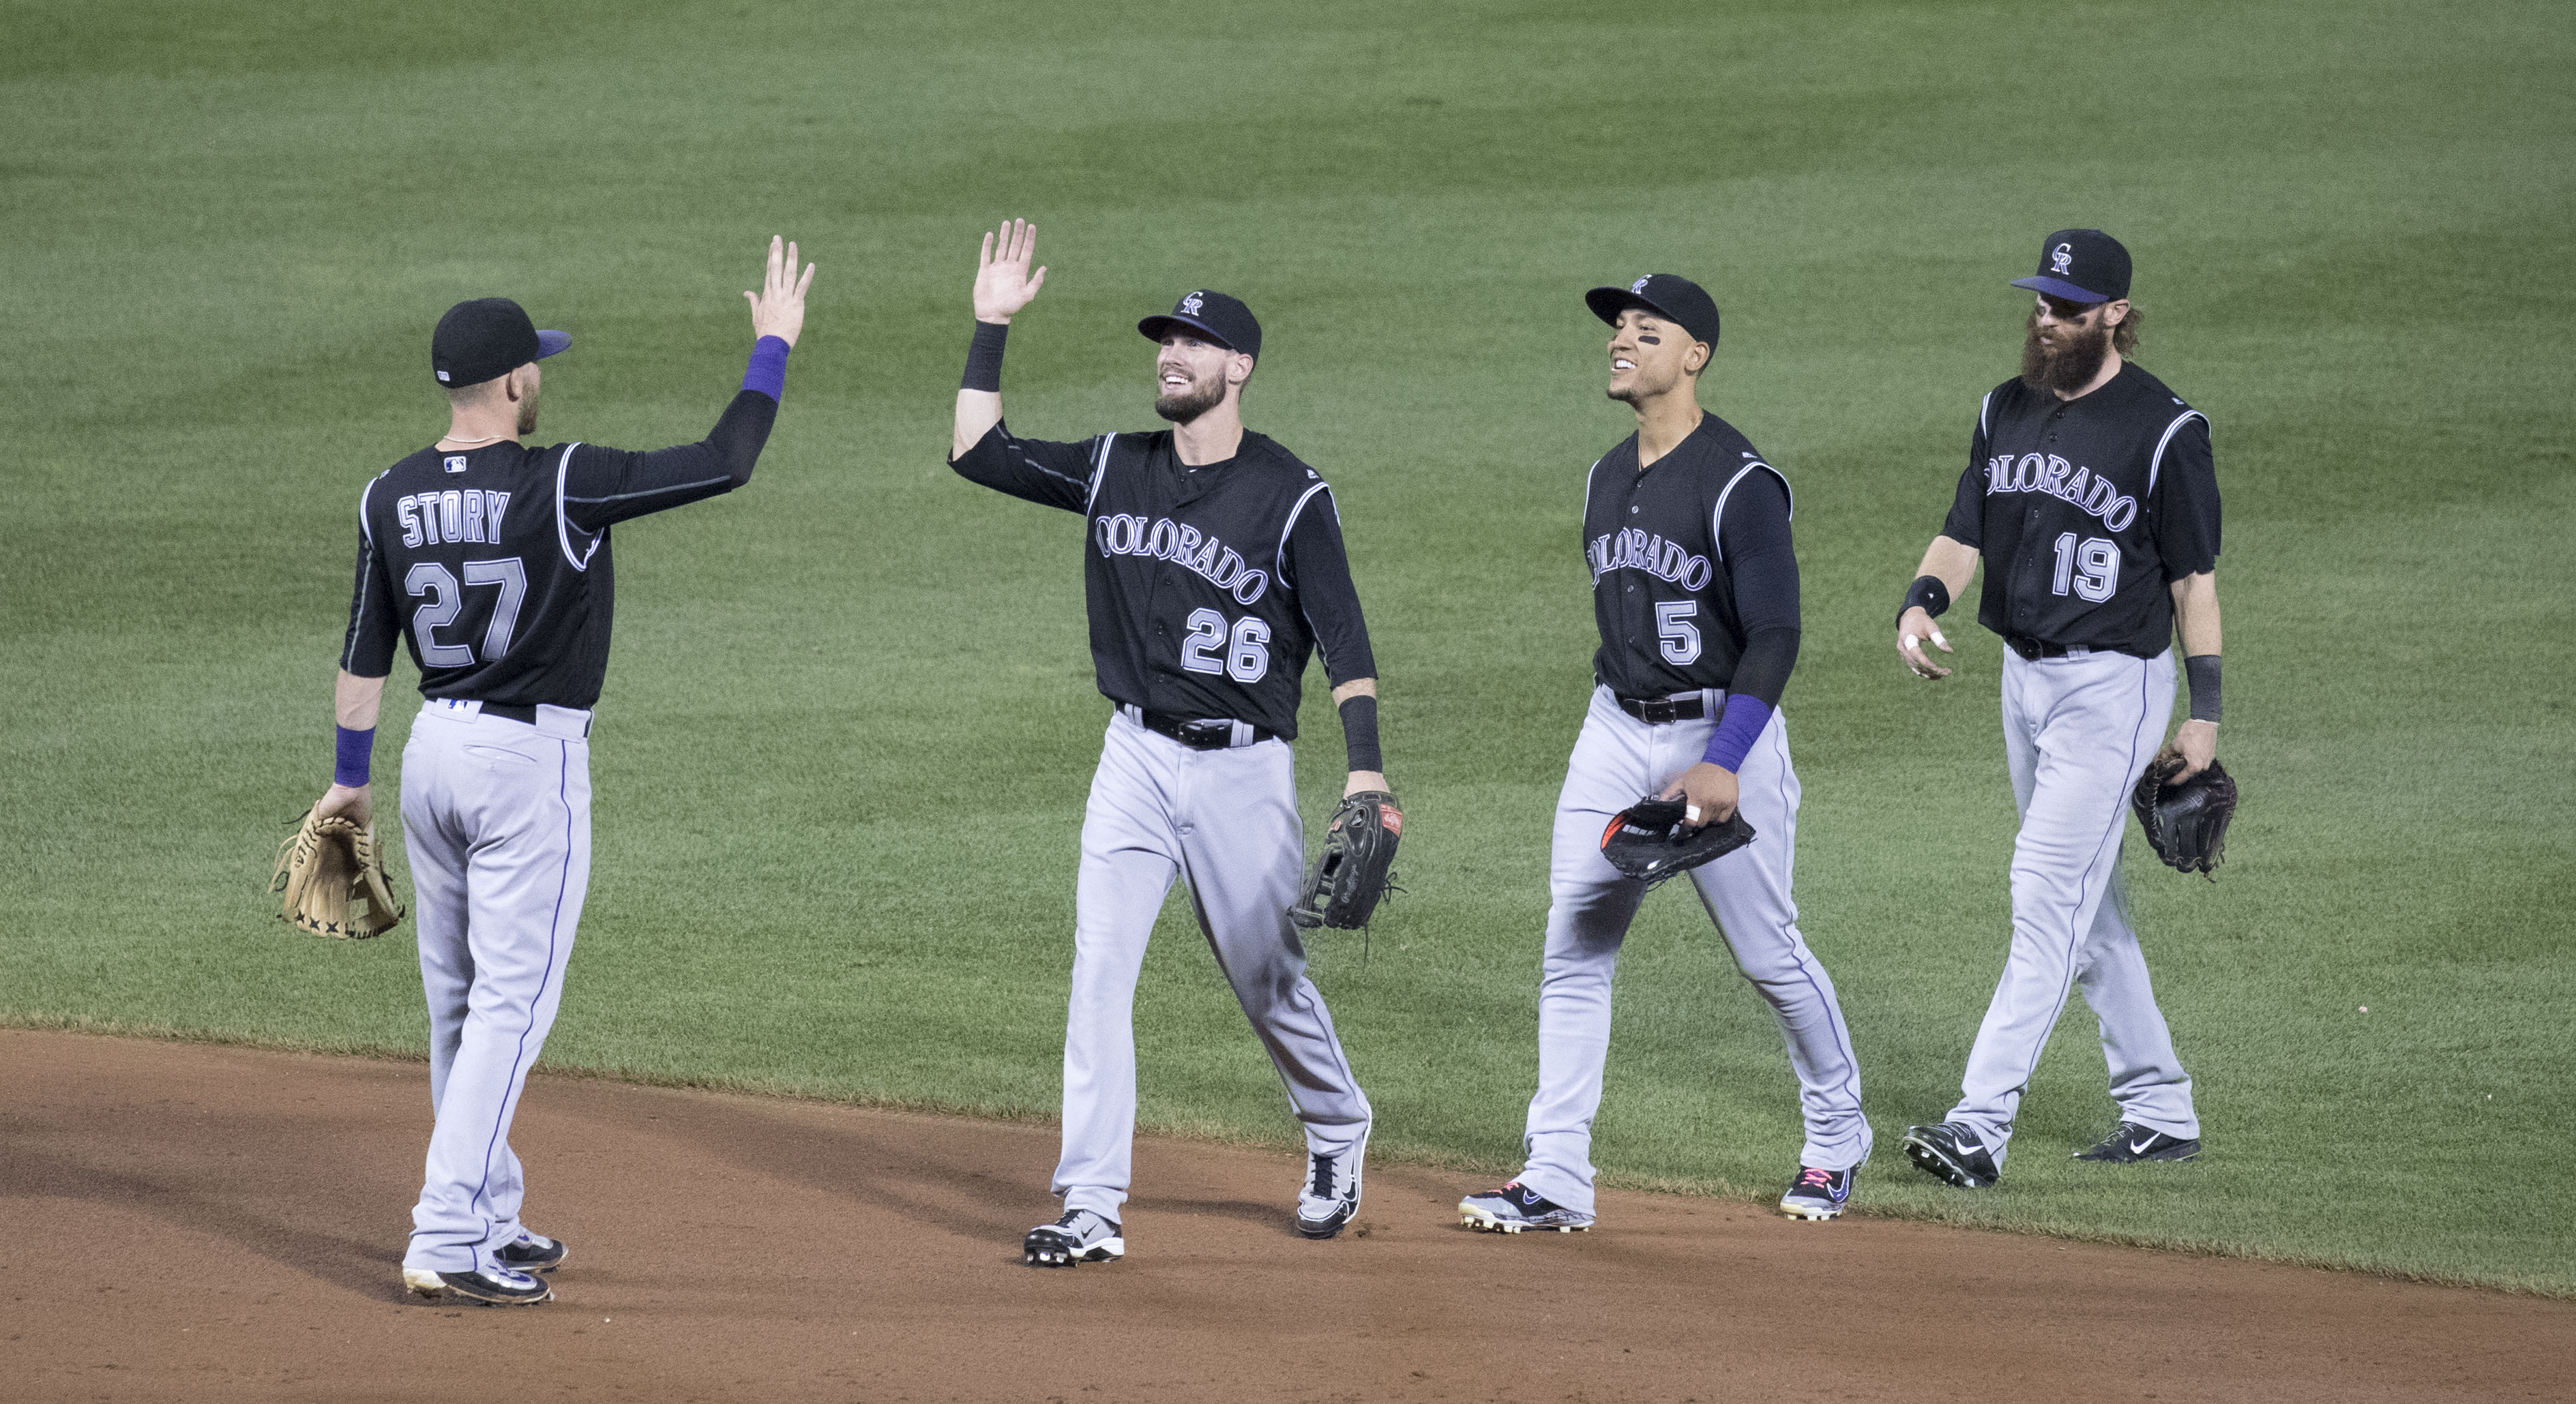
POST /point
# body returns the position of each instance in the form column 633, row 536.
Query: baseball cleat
column 2130, row 1143
column 1955, row 1152
column 1331, row 1194
column 533, row 1252
column 1516, row 1208
column 496, row 1287
column 1819, row 1194
column 1081, row 1236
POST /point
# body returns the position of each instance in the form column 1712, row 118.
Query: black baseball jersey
column 494, row 563
column 1671, row 605
column 1207, row 587
column 2087, row 510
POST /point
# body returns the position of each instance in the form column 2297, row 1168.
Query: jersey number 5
column 1247, row 655
column 440, row 600
column 2093, row 567
column 1675, row 631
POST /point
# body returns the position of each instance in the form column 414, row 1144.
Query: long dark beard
column 2067, row 371
column 1186, row 405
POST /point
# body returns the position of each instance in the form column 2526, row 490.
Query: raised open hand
column 1003, row 282
column 778, row 309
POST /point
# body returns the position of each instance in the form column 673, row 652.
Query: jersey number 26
column 1246, row 645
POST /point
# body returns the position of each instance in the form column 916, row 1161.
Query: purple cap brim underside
column 2061, row 289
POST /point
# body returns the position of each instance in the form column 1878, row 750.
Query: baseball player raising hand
column 490, row 560
column 1212, row 566
column 2092, row 502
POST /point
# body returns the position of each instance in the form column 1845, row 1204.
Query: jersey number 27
column 440, row 599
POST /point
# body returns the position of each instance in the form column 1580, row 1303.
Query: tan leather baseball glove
column 333, row 879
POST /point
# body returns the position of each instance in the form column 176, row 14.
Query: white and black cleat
column 491, row 1287
column 1955, row 1152
column 2130, row 1143
column 533, row 1253
column 1081, row 1236
column 1331, row 1194
column 1516, row 1208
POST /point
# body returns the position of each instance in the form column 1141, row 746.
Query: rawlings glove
column 333, row 879
column 1651, row 839
column 1356, row 866
column 2185, row 820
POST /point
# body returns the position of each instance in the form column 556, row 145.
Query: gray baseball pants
column 2077, row 731
column 1226, row 823
column 1616, row 760
column 496, row 822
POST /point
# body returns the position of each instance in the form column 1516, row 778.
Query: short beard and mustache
column 2066, row 370
column 1182, row 406
column 528, row 413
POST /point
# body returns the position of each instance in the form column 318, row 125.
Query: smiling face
column 1650, row 356
column 1193, row 376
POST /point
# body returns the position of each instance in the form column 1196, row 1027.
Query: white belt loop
column 1242, row 735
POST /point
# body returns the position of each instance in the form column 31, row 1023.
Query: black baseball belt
column 1657, row 711
column 2036, row 649
column 1197, row 733
column 524, row 714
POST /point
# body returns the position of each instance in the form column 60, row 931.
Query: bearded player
column 1212, row 567
column 2091, row 499
column 1695, row 591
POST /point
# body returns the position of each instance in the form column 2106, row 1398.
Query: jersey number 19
column 2092, row 567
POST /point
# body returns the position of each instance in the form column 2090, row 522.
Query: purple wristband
column 1736, row 731
column 767, row 372
column 356, row 749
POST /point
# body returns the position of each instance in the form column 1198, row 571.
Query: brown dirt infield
column 210, row 1223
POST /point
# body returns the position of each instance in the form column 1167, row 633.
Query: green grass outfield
column 850, row 720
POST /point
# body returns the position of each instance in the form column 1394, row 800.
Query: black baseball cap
column 1669, row 296
column 486, row 339
column 2080, row 265
column 1213, row 316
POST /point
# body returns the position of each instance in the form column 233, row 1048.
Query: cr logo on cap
column 2062, row 258
column 1639, row 287
column 1190, row 304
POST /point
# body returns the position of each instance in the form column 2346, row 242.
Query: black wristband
column 1359, row 733
column 984, row 357
column 2202, row 673
column 1929, row 592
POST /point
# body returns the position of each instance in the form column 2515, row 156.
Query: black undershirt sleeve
column 1762, row 567
column 1320, row 571
column 1966, row 523
column 604, row 486
column 368, row 650
column 1034, row 470
column 2184, row 512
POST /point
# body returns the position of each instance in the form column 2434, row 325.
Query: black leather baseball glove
column 2186, row 821
column 1357, row 864
column 1651, row 839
